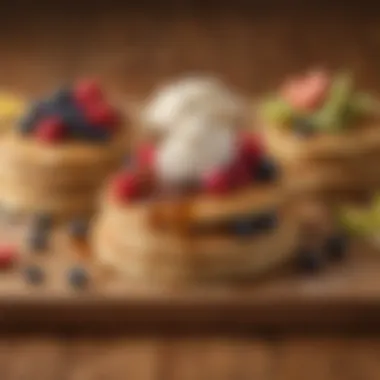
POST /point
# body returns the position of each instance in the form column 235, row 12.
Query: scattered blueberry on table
column 42, row 221
column 78, row 228
column 78, row 277
column 34, row 275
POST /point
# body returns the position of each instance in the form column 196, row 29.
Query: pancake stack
column 325, row 125
column 57, row 157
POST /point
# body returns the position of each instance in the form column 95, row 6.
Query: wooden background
column 131, row 47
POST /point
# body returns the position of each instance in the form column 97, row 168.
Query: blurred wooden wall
column 133, row 46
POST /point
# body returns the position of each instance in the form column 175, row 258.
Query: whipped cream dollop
column 198, row 119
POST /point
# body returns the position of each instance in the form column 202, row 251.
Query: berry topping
column 216, row 182
column 61, row 97
column 50, row 130
column 80, row 114
column 87, row 92
column 127, row 187
column 78, row 277
column 102, row 115
column 8, row 257
column 308, row 92
column 239, row 174
column 34, row 275
column 266, row 171
column 146, row 155
column 250, row 148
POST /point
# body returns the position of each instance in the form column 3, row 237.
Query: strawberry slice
column 307, row 93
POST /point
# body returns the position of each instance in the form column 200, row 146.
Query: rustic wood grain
column 184, row 358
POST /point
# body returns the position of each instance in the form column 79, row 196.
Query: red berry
column 50, row 130
column 126, row 186
column 88, row 91
column 216, row 182
column 8, row 256
column 146, row 155
column 239, row 174
column 102, row 115
column 251, row 149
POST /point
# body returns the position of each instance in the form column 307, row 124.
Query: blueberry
column 78, row 228
column 29, row 121
column 336, row 246
column 38, row 240
column 304, row 127
column 267, row 170
column 43, row 221
column 62, row 97
column 78, row 277
column 34, row 275
column 78, row 126
column 309, row 260
column 266, row 221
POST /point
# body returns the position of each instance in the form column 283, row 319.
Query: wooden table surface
column 132, row 49
column 190, row 358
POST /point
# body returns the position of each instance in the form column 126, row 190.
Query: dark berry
column 309, row 260
column 265, row 222
column 78, row 277
column 267, row 170
column 32, row 117
column 34, row 275
column 78, row 228
column 304, row 127
column 336, row 246
column 38, row 240
column 42, row 221
column 62, row 97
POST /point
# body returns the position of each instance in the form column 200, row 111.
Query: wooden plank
column 34, row 358
column 116, row 359
column 216, row 358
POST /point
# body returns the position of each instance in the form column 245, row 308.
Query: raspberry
column 87, row 91
column 102, row 115
column 216, row 182
column 146, row 155
column 251, row 149
column 126, row 187
column 50, row 130
column 8, row 256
